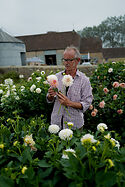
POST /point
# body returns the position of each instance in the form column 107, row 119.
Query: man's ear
column 78, row 59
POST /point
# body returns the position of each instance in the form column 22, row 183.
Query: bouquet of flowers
column 52, row 80
column 67, row 81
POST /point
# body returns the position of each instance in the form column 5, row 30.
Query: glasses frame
column 69, row 60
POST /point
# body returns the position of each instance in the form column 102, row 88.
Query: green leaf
column 26, row 155
column 105, row 179
column 45, row 173
column 43, row 164
column 6, row 182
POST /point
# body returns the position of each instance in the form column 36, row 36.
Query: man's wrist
column 50, row 97
column 69, row 104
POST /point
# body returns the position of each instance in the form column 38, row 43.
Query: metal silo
column 12, row 50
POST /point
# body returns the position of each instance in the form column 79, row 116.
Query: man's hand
column 63, row 99
column 51, row 94
column 66, row 102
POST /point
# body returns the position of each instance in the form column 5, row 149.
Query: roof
column 50, row 41
column 113, row 52
column 6, row 38
column 92, row 44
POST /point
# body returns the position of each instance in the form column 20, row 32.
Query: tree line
column 111, row 31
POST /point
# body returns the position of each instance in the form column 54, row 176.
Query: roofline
column 13, row 42
column 48, row 33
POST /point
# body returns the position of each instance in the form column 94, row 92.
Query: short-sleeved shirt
column 80, row 91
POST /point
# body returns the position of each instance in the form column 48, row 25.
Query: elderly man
column 76, row 99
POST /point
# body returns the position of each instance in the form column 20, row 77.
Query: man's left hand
column 63, row 99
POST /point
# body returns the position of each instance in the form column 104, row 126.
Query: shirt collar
column 77, row 73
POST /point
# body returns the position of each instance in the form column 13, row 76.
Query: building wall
column 115, row 59
column 10, row 54
column 59, row 55
column 41, row 55
column 98, row 56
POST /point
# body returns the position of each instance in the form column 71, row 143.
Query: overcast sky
column 29, row 17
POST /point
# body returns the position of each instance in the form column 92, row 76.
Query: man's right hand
column 51, row 94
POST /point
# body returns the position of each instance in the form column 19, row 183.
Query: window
column 50, row 59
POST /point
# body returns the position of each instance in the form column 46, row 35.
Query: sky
column 30, row 17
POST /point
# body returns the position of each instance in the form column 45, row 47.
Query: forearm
column 76, row 105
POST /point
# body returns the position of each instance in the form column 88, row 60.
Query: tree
column 111, row 31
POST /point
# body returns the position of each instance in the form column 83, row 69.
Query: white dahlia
column 67, row 80
column 32, row 88
column 101, row 127
column 66, row 134
column 53, row 129
column 88, row 138
column 65, row 155
column 38, row 90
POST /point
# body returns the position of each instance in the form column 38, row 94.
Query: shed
column 12, row 50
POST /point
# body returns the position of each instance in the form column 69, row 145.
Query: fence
column 28, row 70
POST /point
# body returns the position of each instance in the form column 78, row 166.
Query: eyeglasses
column 68, row 60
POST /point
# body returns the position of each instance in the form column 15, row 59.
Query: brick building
column 49, row 47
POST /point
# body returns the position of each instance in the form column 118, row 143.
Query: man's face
column 69, row 60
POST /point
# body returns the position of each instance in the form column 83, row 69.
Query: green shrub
column 24, row 99
column 32, row 155
column 11, row 74
column 108, row 83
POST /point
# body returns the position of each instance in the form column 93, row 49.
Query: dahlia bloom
column 102, row 104
column 42, row 72
column 90, row 107
column 122, row 85
column 116, row 143
column 66, row 134
column 110, row 70
column 101, row 127
column 115, row 97
column 88, row 138
column 65, row 156
column 1, row 91
column 67, row 80
column 53, row 129
column 105, row 90
column 53, row 80
column 28, row 140
column 120, row 111
column 32, row 88
column 38, row 90
column 93, row 113
column 95, row 110
column 116, row 84
column 21, row 76
column 8, row 81
column 29, row 79
column 38, row 78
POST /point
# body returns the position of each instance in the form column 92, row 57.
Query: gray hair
column 77, row 53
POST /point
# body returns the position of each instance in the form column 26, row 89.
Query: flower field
column 35, row 153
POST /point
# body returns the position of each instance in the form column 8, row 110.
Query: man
column 69, row 106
